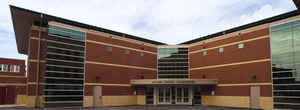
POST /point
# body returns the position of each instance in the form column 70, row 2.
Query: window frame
column 221, row 49
column 204, row 53
column 12, row 68
column 109, row 48
column 241, row 45
column 127, row 51
column 17, row 68
column 4, row 66
column 142, row 54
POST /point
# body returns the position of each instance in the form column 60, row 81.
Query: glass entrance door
column 197, row 95
column 174, row 95
column 164, row 95
column 182, row 95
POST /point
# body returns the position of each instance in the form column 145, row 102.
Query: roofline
column 12, row 59
column 83, row 25
column 246, row 26
column 87, row 26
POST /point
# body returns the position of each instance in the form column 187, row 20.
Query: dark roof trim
column 82, row 25
column 264, row 21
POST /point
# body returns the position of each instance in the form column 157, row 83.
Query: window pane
column 173, row 63
column 285, row 51
column 5, row 67
column 241, row 45
column 221, row 49
column 204, row 52
column 12, row 68
column 109, row 48
column 127, row 51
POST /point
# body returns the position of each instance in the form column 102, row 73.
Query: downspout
column 38, row 66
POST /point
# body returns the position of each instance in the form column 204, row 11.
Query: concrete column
column 191, row 95
column 155, row 95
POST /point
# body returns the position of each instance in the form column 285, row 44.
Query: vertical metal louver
column 64, row 75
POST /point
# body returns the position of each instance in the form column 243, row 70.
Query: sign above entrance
column 174, row 81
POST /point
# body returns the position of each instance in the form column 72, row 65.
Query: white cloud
column 168, row 21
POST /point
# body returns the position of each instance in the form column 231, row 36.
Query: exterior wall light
column 134, row 92
column 212, row 93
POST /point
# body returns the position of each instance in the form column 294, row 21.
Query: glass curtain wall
column 64, row 76
column 285, row 50
column 173, row 63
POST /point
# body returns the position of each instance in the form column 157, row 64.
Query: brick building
column 75, row 64
column 12, row 81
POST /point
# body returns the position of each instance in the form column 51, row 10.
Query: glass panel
column 160, row 95
column 285, row 51
column 173, row 63
column 64, row 76
column 109, row 48
column 241, row 46
column 204, row 52
column 221, row 50
column 197, row 95
column 149, row 95
column 168, row 94
column 56, row 30
column 179, row 94
column 185, row 94
column 127, row 51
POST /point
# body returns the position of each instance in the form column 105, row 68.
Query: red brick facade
column 12, row 83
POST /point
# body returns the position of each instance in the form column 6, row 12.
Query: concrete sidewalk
column 164, row 107
column 11, row 106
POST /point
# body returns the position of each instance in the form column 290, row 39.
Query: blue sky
column 167, row 21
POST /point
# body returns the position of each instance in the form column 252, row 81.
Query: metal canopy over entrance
column 174, row 82
column 174, row 91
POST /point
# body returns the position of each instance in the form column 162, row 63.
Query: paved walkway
column 170, row 107
column 11, row 105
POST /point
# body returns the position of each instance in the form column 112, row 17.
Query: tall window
column 17, row 68
column 64, row 67
column 4, row 67
column 12, row 68
column 285, row 51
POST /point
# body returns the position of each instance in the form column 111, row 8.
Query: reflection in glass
column 285, row 50
column 173, row 63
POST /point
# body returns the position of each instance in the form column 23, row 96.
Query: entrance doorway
column 254, row 96
column 197, row 95
column 7, row 95
column 97, row 96
column 173, row 95
column 164, row 95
